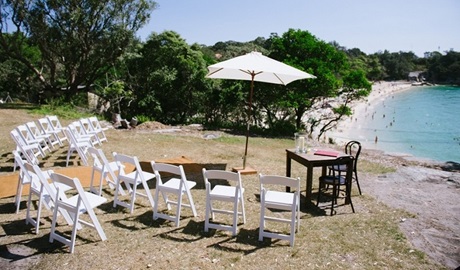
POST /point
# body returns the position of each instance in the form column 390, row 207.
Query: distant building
column 416, row 76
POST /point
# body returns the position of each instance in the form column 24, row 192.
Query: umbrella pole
column 249, row 121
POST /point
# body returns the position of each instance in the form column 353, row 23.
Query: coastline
column 362, row 113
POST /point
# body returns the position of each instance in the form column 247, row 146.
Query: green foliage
column 143, row 118
column 78, row 41
column 62, row 109
column 444, row 68
column 306, row 52
column 170, row 84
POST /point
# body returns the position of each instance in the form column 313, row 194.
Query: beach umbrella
column 252, row 67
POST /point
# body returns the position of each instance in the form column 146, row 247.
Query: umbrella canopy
column 256, row 67
column 252, row 67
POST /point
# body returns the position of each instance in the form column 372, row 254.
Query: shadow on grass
column 26, row 249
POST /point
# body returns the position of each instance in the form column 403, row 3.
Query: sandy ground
column 429, row 191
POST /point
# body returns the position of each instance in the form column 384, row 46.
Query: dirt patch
column 152, row 125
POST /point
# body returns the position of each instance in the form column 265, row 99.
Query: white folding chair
column 95, row 126
column 56, row 125
column 131, row 180
column 80, row 146
column 273, row 199
column 56, row 135
column 38, row 135
column 45, row 192
column 27, row 137
column 178, row 186
column 86, row 128
column 105, row 169
column 82, row 202
column 217, row 192
column 29, row 152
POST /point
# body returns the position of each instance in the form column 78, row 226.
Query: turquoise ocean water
column 423, row 122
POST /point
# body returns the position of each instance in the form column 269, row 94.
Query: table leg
column 288, row 171
column 309, row 183
column 349, row 180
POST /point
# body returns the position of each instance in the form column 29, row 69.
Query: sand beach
column 363, row 111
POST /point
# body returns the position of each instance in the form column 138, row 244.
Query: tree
column 304, row 51
column 170, row 84
column 355, row 86
column 78, row 40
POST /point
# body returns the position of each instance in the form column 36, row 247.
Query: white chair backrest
column 133, row 160
column 279, row 181
column 25, row 176
column 34, row 130
column 171, row 169
column 105, row 168
column 54, row 122
column 86, row 125
column 211, row 175
column 26, row 134
column 44, row 124
column 29, row 151
column 75, row 145
column 95, row 123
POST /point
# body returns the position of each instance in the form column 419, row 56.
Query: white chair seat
column 173, row 183
column 224, row 191
column 93, row 199
column 278, row 198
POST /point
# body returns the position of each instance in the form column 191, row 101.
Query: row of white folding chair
column 179, row 186
column 33, row 141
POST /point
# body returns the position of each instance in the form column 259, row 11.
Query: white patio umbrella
column 252, row 67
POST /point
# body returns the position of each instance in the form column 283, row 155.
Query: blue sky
column 370, row 25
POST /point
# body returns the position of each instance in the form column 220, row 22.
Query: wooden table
column 310, row 161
